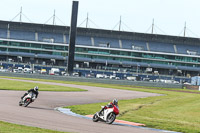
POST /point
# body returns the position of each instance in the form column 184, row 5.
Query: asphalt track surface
column 41, row 113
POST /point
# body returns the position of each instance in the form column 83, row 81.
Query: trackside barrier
column 93, row 80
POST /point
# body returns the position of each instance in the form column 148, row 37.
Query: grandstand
column 100, row 49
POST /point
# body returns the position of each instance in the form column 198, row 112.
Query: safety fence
column 93, row 80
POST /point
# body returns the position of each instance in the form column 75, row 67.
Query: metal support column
column 72, row 38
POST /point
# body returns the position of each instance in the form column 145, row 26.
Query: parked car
column 54, row 71
column 90, row 75
column 99, row 76
column 27, row 70
column 43, row 71
column 131, row 78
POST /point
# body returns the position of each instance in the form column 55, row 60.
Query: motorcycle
column 29, row 98
column 108, row 115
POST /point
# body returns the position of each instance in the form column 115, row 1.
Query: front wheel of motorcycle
column 27, row 102
column 95, row 118
column 110, row 118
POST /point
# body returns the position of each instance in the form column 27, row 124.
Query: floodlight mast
column 184, row 30
column 87, row 21
column 20, row 18
column 120, row 22
column 152, row 27
column 72, row 38
column 54, row 15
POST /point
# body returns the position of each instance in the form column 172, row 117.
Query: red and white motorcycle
column 108, row 114
column 29, row 98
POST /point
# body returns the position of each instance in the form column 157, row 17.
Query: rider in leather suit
column 34, row 90
column 109, row 105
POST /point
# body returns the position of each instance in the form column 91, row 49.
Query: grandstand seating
column 141, row 44
column 112, row 43
column 127, row 44
column 57, row 38
column 182, row 48
column 67, row 38
column 83, row 40
column 3, row 33
column 161, row 47
column 22, row 35
column 136, row 45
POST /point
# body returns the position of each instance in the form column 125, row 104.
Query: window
column 125, row 53
column 46, row 52
column 59, row 47
column 14, row 43
column 47, row 46
column 12, row 50
column 56, row 53
column 114, row 52
column 24, row 50
column 3, row 49
column 102, row 51
column 36, row 45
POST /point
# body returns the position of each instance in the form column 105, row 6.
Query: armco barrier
column 93, row 80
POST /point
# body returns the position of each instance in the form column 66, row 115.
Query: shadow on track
column 40, row 108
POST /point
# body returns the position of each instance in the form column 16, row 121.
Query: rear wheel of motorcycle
column 110, row 118
column 20, row 103
column 27, row 102
column 95, row 118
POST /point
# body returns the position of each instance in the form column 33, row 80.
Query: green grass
column 19, row 85
column 14, row 128
column 175, row 111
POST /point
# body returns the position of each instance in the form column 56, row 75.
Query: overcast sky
column 136, row 15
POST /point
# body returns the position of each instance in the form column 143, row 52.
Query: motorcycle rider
column 109, row 105
column 34, row 90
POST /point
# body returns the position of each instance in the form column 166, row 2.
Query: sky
column 170, row 16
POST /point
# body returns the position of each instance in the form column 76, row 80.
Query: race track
column 41, row 113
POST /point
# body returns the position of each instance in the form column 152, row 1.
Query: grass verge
column 175, row 111
column 19, row 85
column 14, row 128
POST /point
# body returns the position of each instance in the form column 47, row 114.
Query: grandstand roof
column 33, row 27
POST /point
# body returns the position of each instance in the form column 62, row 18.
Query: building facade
column 100, row 49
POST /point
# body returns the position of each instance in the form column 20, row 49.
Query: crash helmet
column 115, row 102
column 36, row 88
